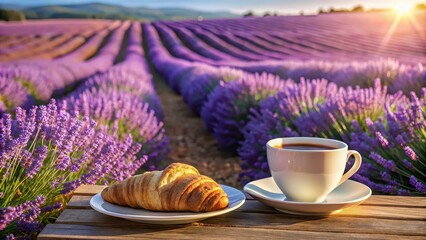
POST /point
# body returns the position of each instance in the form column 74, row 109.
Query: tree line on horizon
column 357, row 8
column 16, row 15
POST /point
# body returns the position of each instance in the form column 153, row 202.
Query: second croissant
column 179, row 187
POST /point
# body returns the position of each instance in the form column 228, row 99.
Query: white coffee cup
column 309, row 175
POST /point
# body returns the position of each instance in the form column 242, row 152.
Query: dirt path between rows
column 191, row 143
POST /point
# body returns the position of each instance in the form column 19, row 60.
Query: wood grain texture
column 265, row 221
column 402, row 201
column 380, row 217
column 89, row 189
column 79, row 202
column 363, row 211
column 69, row 231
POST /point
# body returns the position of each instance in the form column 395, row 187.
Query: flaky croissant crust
column 179, row 187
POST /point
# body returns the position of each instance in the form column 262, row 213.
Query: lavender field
column 78, row 103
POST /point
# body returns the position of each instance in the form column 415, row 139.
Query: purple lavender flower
column 47, row 142
column 29, row 227
column 410, row 153
column 400, row 140
column 51, row 208
column 382, row 140
column 409, row 78
column 392, row 73
column 386, row 176
column 123, row 78
column 180, row 79
column 52, row 151
column 33, row 78
column 9, row 214
column 334, row 117
column 13, row 94
column 364, row 73
column 11, row 237
column 37, row 162
column 26, row 158
column 420, row 186
column 196, row 88
column 387, row 164
column 70, row 186
column 227, row 110
column 408, row 164
column 129, row 114
column 404, row 129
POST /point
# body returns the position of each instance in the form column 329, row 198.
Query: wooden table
column 380, row 217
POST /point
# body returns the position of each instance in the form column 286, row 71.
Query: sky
column 236, row 6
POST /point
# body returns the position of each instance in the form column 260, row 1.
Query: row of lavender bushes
column 105, row 131
column 27, row 82
column 396, row 75
column 32, row 40
column 260, row 39
column 244, row 110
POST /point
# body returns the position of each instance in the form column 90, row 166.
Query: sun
column 403, row 8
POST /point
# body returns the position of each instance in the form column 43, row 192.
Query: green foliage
column 421, row 6
column 358, row 8
column 11, row 15
column 107, row 11
column 250, row 13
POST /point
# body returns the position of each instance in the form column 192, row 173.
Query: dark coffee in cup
column 303, row 146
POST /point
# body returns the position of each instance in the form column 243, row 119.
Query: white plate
column 350, row 193
column 236, row 199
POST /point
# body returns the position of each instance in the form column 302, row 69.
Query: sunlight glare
column 402, row 11
column 403, row 8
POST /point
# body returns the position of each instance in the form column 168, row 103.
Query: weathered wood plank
column 67, row 231
column 367, row 211
column 267, row 221
column 79, row 202
column 89, row 189
column 402, row 201
column 385, row 212
column 379, row 217
column 335, row 223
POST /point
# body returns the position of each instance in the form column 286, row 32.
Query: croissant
column 179, row 187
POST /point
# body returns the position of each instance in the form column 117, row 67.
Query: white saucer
column 236, row 199
column 350, row 193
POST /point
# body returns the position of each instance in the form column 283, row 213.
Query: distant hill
column 12, row 6
column 101, row 10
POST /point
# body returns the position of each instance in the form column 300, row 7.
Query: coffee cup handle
column 354, row 168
